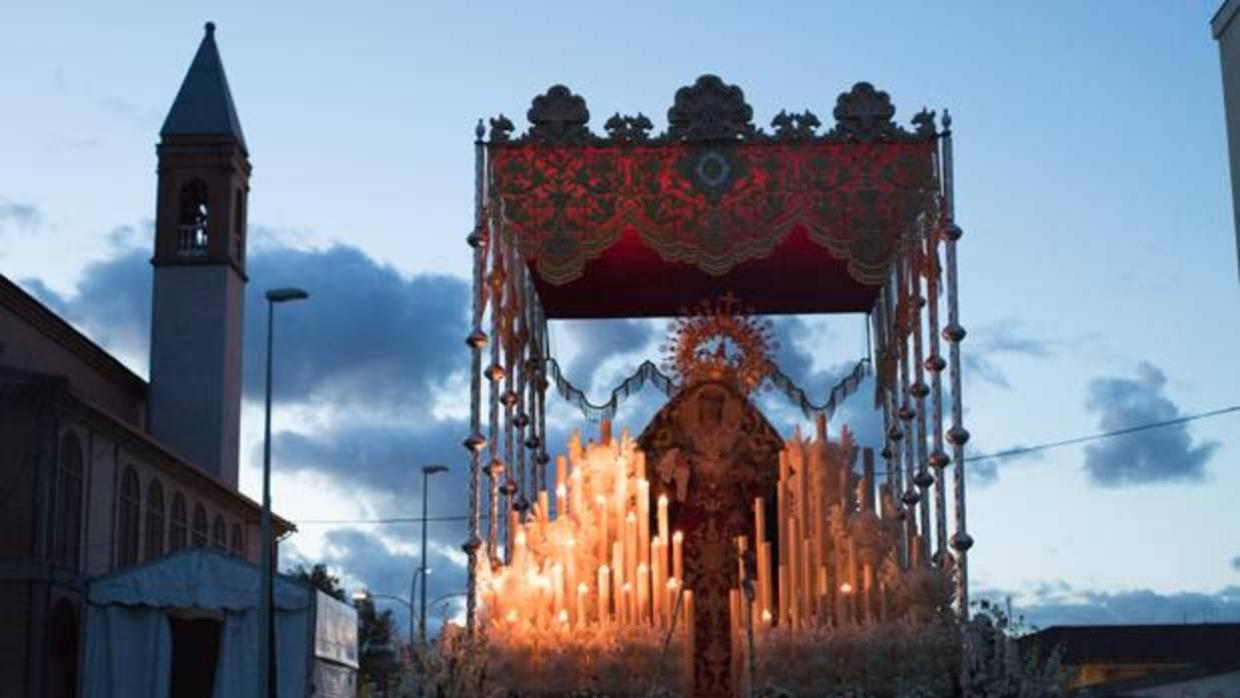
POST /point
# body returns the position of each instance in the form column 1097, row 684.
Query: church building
column 100, row 470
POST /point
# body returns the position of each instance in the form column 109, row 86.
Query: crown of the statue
column 721, row 343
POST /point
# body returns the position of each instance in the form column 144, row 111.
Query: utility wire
column 971, row 459
column 1104, row 435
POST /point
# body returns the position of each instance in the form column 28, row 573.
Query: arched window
column 192, row 219
column 154, row 519
column 200, row 526
column 69, row 502
column 219, row 533
column 238, row 540
column 128, row 514
column 177, row 534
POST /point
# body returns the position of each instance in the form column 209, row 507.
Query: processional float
column 709, row 524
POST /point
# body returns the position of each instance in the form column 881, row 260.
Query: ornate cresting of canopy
column 798, row 219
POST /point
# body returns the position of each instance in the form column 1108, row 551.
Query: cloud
column 367, row 335
column 595, row 341
column 990, row 342
column 111, row 302
column 1235, row 563
column 984, row 472
column 371, row 561
column 1059, row 603
column 17, row 216
column 1165, row 454
column 381, row 459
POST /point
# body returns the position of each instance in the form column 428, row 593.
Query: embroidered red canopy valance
column 632, row 224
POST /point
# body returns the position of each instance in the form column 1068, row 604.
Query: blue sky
column 1099, row 269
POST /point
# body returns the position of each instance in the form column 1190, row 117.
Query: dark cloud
column 1157, row 455
column 595, row 341
column 111, row 303
column 1058, row 603
column 367, row 334
column 383, row 459
column 18, row 216
column 990, row 343
column 1235, row 563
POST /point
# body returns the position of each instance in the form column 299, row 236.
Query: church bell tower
column 199, row 286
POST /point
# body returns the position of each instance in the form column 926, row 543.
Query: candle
column 617, row 574
column 630, row 547
column 518, row 555
column 577, row 489
column 561, row 500
column 808, row 597
column 570, row 565
column 639, row 464
column 561, row 471
column 582, row 617
column 665, row 533
column 557, row 587
column 784, row 613
column 658, row 584
column 764, row 577
column 678, row 559
column 514, row 522
column 544, row 506
column 643, row 593
column 687, row 603
column 604, row 593
column 626, row 596
column 620, row 499
column 794, row 575
column 603, row 538
column 643, row 521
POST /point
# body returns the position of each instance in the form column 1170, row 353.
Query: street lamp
column 266, row 676
column 427, row 471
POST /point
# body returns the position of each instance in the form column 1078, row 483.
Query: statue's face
column 710, row 410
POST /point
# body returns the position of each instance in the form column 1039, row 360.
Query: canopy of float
column 637, row 225
column 129, row 637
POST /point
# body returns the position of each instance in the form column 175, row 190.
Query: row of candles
column 592, row 560
column 832, row 547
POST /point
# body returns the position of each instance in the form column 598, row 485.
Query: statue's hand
column 667, row 465
column 682, row 482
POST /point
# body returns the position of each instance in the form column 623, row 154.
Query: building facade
column 99, row 469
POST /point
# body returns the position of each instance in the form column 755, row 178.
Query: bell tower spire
column 199, row 278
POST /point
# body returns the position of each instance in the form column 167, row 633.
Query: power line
column 390, row 520
column 971, row 459
column 1103, row 435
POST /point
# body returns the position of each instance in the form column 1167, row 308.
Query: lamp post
column 266, row 676
column 427, row 471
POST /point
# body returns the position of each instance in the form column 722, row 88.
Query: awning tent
column 129, row 637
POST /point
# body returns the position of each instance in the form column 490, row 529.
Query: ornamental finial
column 210, row 28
